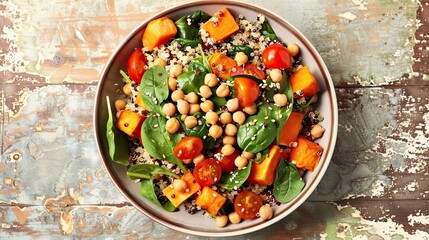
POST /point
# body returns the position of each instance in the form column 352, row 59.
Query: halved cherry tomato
column 136, row 65
column 276, row 56
column 188, row 148
column 226, row 162
column 250, row 69
column 207, row 172
column 247, row 204
column 246, row 90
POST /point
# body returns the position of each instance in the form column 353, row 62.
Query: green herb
column 154, row 88
column 236, row 178
column 146, row 170
column 147, row 190
column 288, row 183
column 256, row 134
column 201, row 131
column 193, row 79
column 116, row 140
column 234, row 49
column 158, row 142
column 125, row 76
column 268, row 31
column 188, row 27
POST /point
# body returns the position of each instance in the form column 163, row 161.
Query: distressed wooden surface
column 52, row 183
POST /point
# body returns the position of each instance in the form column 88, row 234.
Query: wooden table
column 52, row 182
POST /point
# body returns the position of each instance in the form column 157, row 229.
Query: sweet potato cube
column 303, row 80
column 176, row 197
column 221, row 25
column 291, row 129
column 210, row 200
column 139, row 102
column 263, row 173
column 130, row 123
column 306, row 154
column 221, row 65
column 158, row 32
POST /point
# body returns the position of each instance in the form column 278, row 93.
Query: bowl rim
column 328, row 152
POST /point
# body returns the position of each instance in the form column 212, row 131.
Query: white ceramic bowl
column 198, row 224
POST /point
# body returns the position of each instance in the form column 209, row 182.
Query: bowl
column 199, row 224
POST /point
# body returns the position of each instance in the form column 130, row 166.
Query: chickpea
column 176, row 70
column 241, row 162
column 276, row 75
column 239, row 117
column 230, row 130
column 182, row 107
column 234, row 218
column 120, row 105
column 205, row 91
column 194, row 108
column 198, row 159
column 191, row 97
column 241, row 58
column 293, row 49
column 207, row 105
column 127, row 89
column 176, row 95
column 212, row 117
column 227, row 149
column 159, row 61
column 191, row 121
column 280, row 99
column 179, row 185
column 215, row 131
column 222, row 90
column 172, row 125
column 232, row 104
column 252, row 109
column 266, row 212
column 229, row 140
column 317, row 131
column 221, row 221
column 169, row 109
column 187, row 161
column 225, row 118
column 248, row 155
column 172, row 83
column 211, row 80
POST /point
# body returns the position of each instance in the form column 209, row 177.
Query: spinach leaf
column 187, row 42
column 116, row 140
column 268, row 31
column 257, row 133
column 260, row 156
column 205, row 61
column 236, row 178
column 288, row 183
column 234, row 49
column 217, row 101
column 146, row 170
column 154, row 87
column 158, row 142
column 201, row 131
column 188, row 27
column 193, row 79
column 147, row 190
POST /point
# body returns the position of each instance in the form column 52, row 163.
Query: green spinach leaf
column 188, row 27
column 268, row 31
column 256, row 134
column 154, row 87
column 147, row 190
column 193, row 79
column 116, row 140
column 158, row 142
column 260, row 156
column 234, row 49
column 288, row 183
column 146, row 170
column 201, row 131
column 236, row 178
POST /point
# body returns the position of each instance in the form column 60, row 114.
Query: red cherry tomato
column 226, row 162
column 276, row 56
column 188, row 147
column 246, row 90
column 207, row 172
column 283, row 154
column 247, row 204
column 136, row 65
column 250, row 69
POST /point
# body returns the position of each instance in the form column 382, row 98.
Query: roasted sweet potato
column 221, row 25
column 210, row 200
column 176, row 197
column 158, row 32
column 306, row 154
column 221, row 65
column 139, row 101
column 263, row 173
column 130, row 122
column 303, row 80
column 291, row 129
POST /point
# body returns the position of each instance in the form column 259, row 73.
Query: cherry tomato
column 207, row 172
column 250, row 69
column 247, row 204
column 188, row 147
column 283, row 154
column 276, row 56
column 136, row 64
column 226, row 162
column 246, row 90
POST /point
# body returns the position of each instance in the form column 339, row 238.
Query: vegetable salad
column 216, row 117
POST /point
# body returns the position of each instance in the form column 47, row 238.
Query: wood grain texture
column 52, row 182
